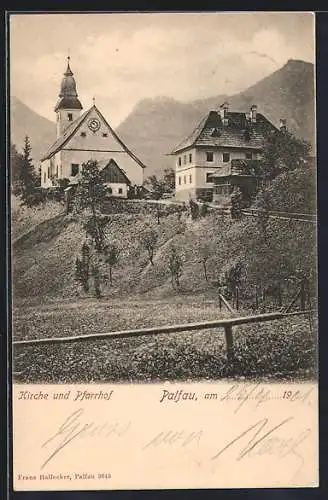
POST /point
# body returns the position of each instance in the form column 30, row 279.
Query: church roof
column 240, row 132
column 73, row 128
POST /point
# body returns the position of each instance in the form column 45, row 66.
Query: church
column 84, row 137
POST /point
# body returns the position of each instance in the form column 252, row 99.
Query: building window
column 48, row 172
column 120, row 191
column 56, row 170
column 70, row 117
column 61, row 171
column 209, row 156
column 208, row 177
column 179, row 181
column 44, row 177
column 190, row 179
column 190, row 158
column 105, row 135
column 249, row 155
column 179, row 161
column 83, row 134
column 74, row 169
column 184, row 179
column 226, row 157
column 184, row 159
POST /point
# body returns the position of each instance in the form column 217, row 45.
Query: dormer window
column 70, row 117
column 216, row 132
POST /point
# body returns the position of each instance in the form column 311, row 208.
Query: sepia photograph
column 163, row 180
column 163, row 197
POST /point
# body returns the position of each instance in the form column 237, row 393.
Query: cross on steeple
column 94, row 101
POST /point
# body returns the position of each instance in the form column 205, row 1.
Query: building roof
column 239, row 132
column 73, row 128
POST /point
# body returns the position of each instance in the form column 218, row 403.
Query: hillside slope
column 44, row 260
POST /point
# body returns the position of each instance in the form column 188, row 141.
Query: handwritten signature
column 73, row 427
column 265, row 441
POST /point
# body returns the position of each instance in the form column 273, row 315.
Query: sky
column 121, row 59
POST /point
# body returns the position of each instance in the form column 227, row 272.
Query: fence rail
column 227, row 324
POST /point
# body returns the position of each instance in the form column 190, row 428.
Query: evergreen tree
column 27, row 178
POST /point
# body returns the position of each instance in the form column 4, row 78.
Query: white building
column 221, row 138
column 84, row 137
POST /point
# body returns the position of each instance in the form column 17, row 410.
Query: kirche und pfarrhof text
column 76, row 395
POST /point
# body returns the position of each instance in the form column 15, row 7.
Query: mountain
column 155, row 126
column 24, row 121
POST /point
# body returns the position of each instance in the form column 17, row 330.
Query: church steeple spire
column 68, row 106
column 68, row 97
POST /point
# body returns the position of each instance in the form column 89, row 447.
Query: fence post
column 229, row 342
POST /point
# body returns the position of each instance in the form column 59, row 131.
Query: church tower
column 68, row 107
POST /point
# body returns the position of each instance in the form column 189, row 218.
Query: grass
column 274, row 351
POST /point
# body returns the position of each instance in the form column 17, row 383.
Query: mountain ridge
column 156, row 125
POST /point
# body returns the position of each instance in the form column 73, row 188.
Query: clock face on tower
column 94, row 124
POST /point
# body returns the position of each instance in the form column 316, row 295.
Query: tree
column 204, row 253
column 283, row 153
column 82, row 267
column 15, row 166
column 90, row 195
column 169, row 179
column 175, row 266
column 111, row 258
column 149, row 239
column 194, row 209
column 156, row 186
column 237, row 203
column 27, row 179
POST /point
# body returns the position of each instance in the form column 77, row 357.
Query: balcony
column 238, row 167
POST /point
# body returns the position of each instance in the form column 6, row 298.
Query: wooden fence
column 226, row 324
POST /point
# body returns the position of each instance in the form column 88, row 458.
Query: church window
column 105, row 135
column 70, row 117
column 74, row 169
column 190, row 158
column 44, row 177
column 48, row 172
column 179, row 180
column 190, row 179
column 83, row 134
column 179, row 161
column 56, row 170
column 184, row 159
